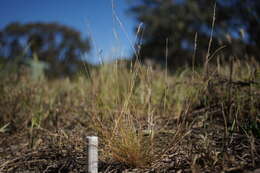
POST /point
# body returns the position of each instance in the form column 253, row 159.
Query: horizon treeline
column 181, row 32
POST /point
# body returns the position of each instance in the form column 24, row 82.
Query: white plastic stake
column 92, row 154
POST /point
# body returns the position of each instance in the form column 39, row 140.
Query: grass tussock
column 145, row 118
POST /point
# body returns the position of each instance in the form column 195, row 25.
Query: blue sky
column 91, row 17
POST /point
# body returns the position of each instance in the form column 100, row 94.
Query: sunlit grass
column 130, row 106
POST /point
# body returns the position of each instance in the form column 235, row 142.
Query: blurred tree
column 59, row 46
column 237, row 26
